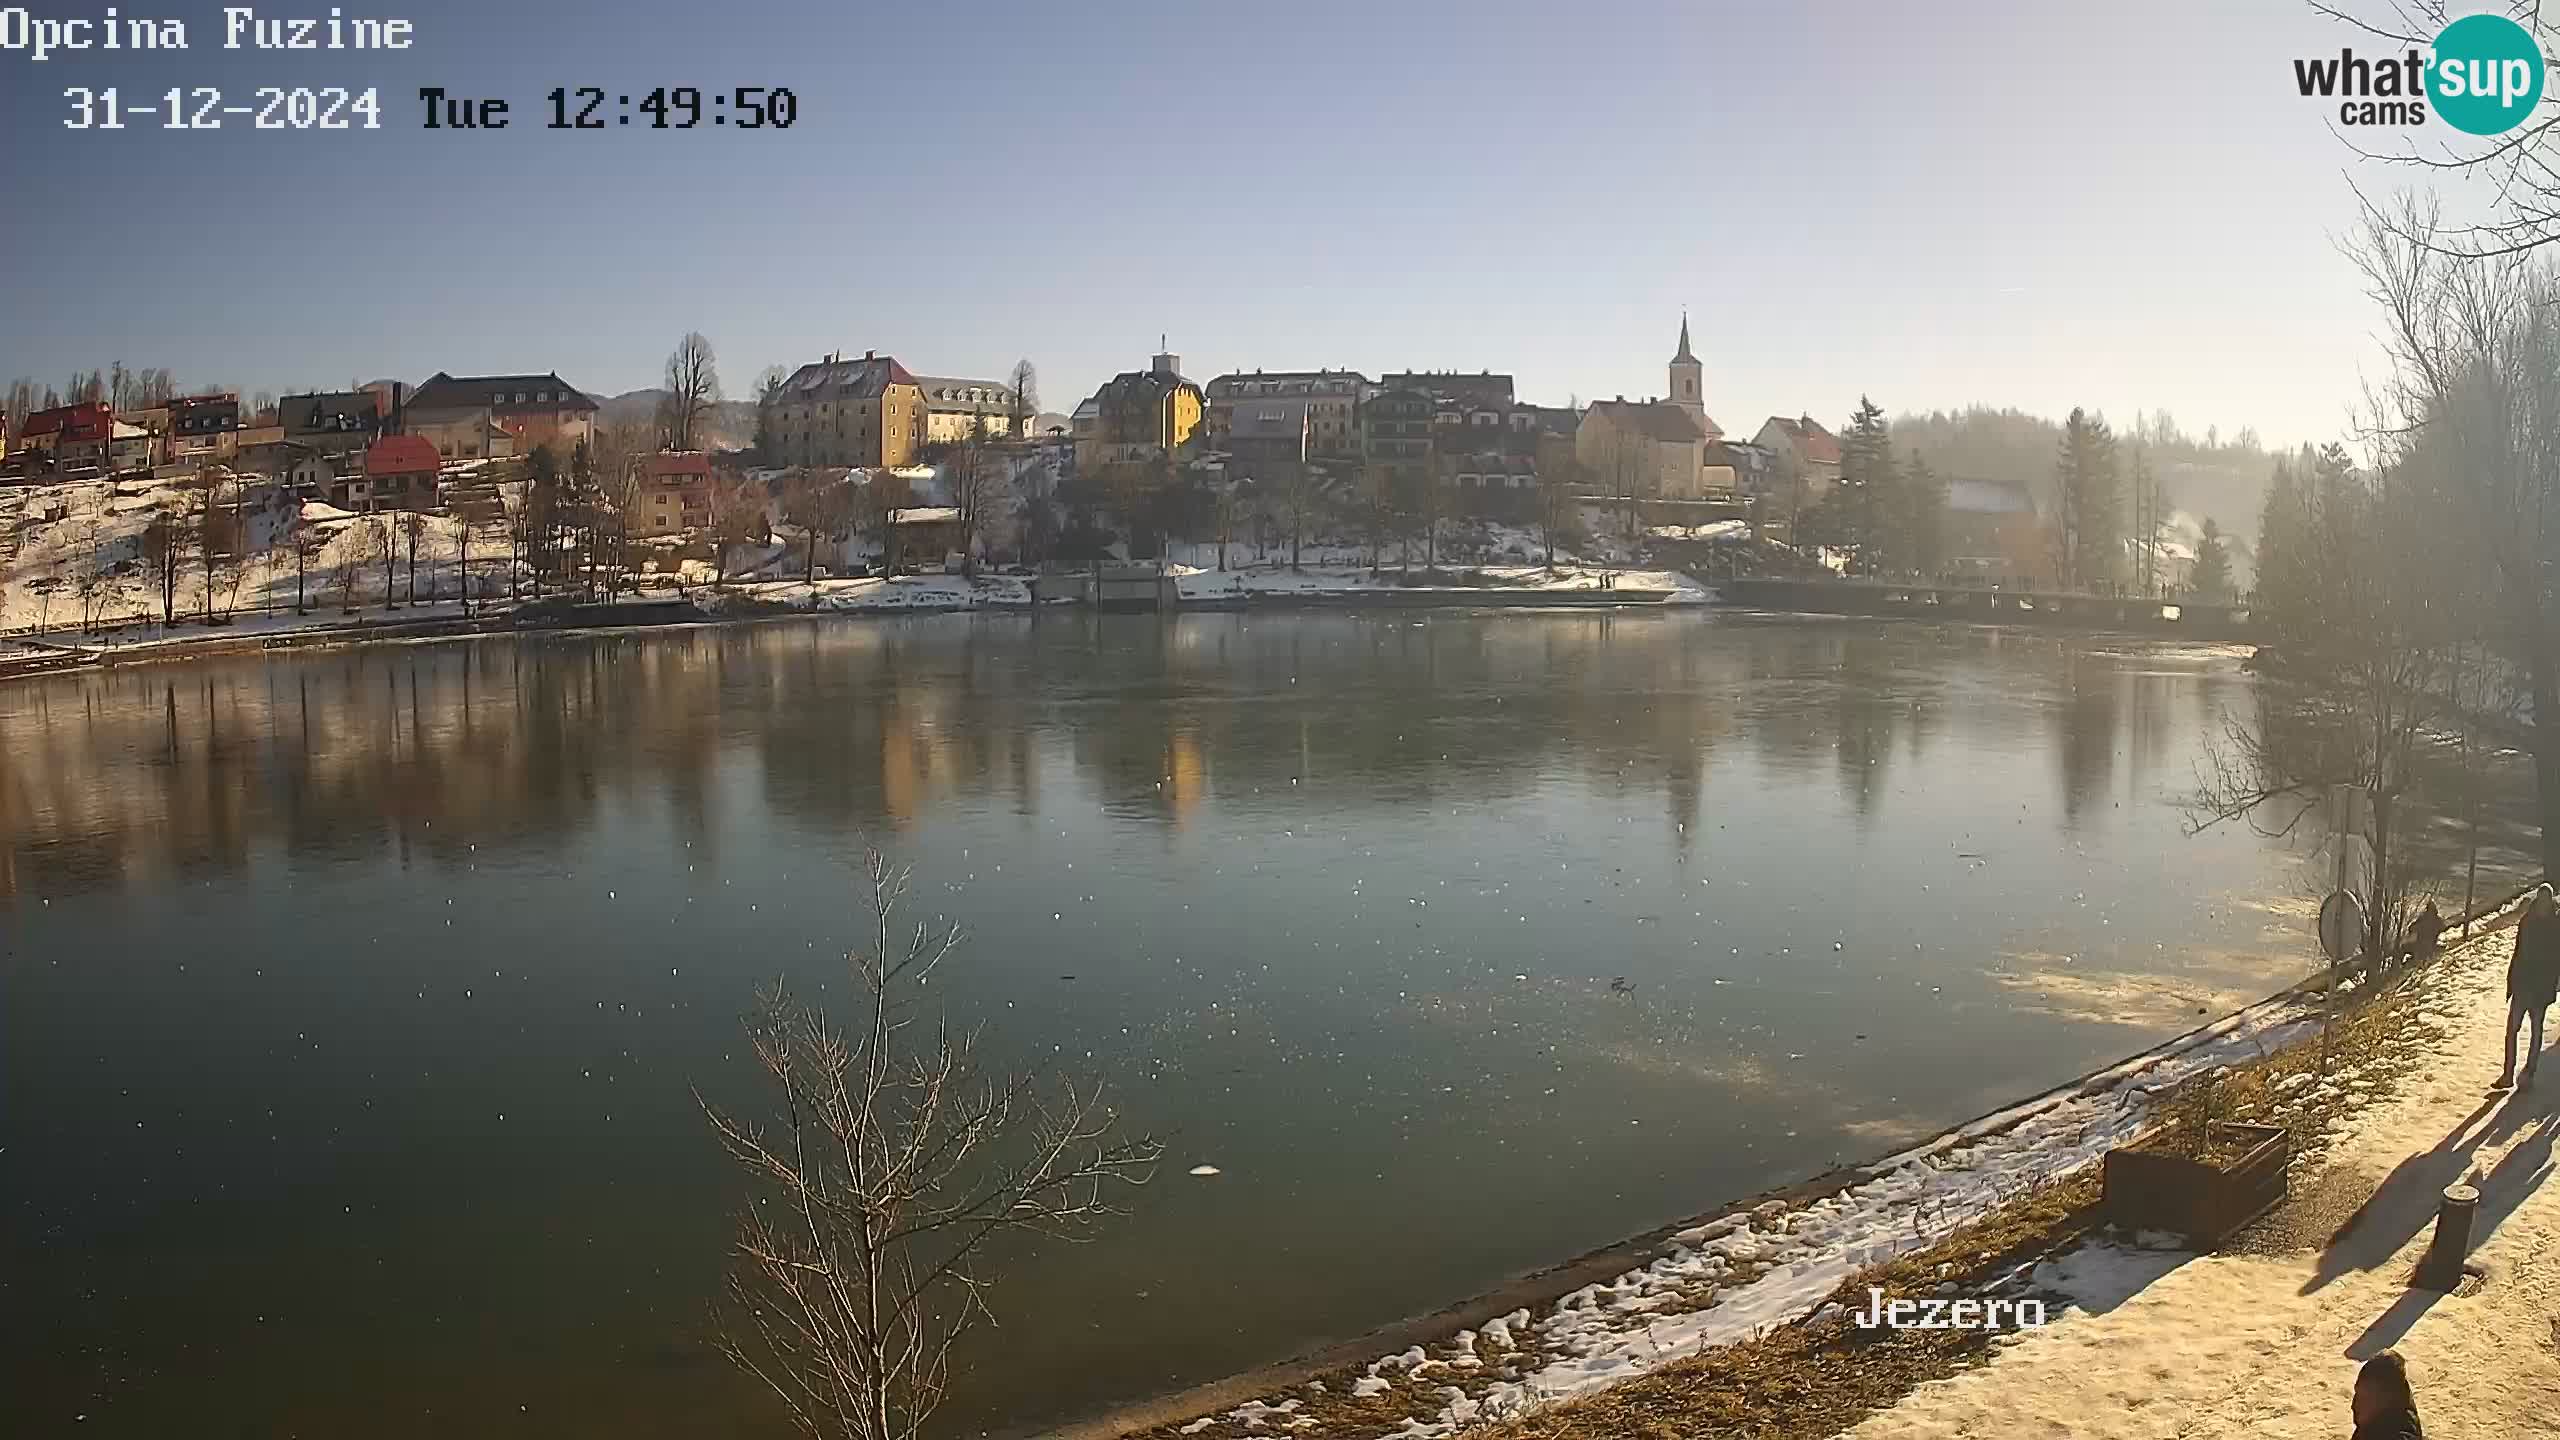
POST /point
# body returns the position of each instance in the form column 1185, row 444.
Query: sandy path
column 2266, row 1346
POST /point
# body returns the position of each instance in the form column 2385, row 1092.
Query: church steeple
column 1688, row 379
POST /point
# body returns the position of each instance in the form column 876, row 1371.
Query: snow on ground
column 2267, row 1345
column 896, row 592
column 1278, row 579
column 81, row 572
column 1771, row 1265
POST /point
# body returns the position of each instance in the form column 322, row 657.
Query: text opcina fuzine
column 241, row 27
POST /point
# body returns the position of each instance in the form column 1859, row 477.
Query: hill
column 733, row 422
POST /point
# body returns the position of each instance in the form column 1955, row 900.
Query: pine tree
column 1869, row 505
column 2213, row 563
column 2089, row 533
column 2284, row 596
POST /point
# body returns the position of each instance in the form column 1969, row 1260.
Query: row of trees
column 1892, row 512
column 2414, row 593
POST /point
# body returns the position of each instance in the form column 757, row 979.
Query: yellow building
column 1139, row 414
column 954, row 408
column 868, row 413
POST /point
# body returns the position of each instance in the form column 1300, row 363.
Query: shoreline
column 63, row 652
column 66, row 652
column 1533, row 1290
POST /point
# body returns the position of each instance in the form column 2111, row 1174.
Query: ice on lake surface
column 366, row 992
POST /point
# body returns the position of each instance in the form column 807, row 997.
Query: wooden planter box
column 2157, row 1190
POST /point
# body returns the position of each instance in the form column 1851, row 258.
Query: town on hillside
column 857, row 466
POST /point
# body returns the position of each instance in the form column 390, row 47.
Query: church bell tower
column 1688, row 378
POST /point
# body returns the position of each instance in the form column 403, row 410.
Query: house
column 1650, row 449
column 1484, row 387
column 313, row 474
column 69, row 437
column 673, row 494
column 1806, row 453
column 843, row 412
column 204, row 429
column 1753, row 467
column 1490, row 477
column 399, row 473
column 1267, row 441
column 130, row 448
column 1331, row 397
column 1991, row 531
column 338, row 421
column 956, row 409
column 1396, row 440
column 475, row 416
column 1141, row 414
column 925, row 534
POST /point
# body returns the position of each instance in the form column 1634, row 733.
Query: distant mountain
column 732, row 425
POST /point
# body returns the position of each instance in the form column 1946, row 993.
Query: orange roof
column 400, row 455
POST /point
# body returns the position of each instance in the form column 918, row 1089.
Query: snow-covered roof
column 924, row 515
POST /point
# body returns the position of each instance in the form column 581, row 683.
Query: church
column 1653, row 449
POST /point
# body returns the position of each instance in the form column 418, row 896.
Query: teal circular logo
column 2486, row 76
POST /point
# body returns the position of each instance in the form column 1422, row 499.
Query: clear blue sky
column 2039, row 204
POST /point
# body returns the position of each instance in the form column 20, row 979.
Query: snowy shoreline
column 1761, row 1263
column 137, row 643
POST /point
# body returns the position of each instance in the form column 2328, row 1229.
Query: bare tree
column 878, row 498
column 306, row 542
column 982, row 488
column 382, row 542
column 213, row 532
column 1024, row 386
column 615, row 460
column 164, row 549
column 1557, row 485
column 1299, row 490
column 2380, row 681
column 413, row 528
column 44, row 587
column 2477, row 386
column 693, row 387
column 890, row 1162
column 737, row 518
column 355, row 548
column 821, row 503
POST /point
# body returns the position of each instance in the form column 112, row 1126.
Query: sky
column 2041, row 204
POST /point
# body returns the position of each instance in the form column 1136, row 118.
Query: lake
column 352, row 1004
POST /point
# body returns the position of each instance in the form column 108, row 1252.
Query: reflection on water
column 350, row 1005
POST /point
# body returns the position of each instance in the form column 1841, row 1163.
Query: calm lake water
column 351, row 1005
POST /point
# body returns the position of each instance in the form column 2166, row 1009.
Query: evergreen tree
column 2213, row 562
column 2285, row 596
column 2089, row 529
column 1868, row 504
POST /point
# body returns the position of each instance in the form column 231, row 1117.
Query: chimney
column 870, row 354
